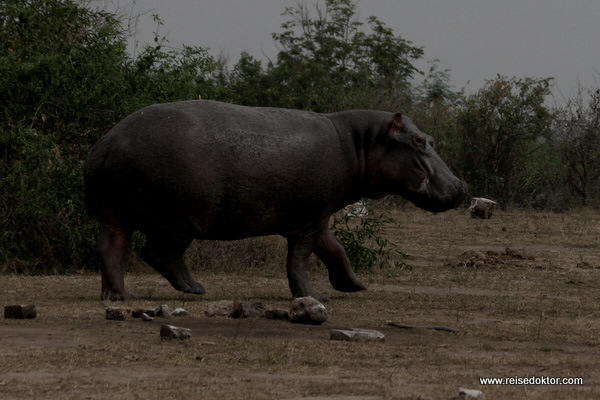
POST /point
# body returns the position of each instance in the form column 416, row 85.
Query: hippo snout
column 441, row 197
column 454, row 196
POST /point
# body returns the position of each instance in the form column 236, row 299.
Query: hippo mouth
column 438, row 199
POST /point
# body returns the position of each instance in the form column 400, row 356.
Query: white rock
column 482, row 208
column 357, row 335
column 307, row 310
column 163, row 311
column 146, row 317
column 174, row 332
column 470, row 394
column 180, row 312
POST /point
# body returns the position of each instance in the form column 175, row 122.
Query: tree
column 248, row 83
column 500, row 132
column 579, row 134
column 327, row 62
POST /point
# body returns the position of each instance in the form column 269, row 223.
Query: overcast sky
column 475, row 39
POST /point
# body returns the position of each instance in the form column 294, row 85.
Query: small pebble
column 180, row 312
column 169, row 332
column 146, row 317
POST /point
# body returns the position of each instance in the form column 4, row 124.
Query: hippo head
column 402, row 161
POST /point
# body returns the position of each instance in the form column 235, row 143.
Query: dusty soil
column 522, row 288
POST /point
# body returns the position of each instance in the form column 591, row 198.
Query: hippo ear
column 398, row 120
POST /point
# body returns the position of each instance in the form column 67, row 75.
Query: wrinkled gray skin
column 209, row 170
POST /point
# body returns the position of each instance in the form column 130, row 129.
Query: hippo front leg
column 300, row 248
column 333, row 255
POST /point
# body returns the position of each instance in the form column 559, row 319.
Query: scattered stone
column 132, row 357
column 357, row 335
column 180, row 312
column 248, row 309
column 163, row 311
column 307, row 310
column 276, row 313
column 168, row 332
column 117, row 313
column 20, row 311
column 470, row 394
column 482, row 208
column 139, row 312
column 222, row 308
column 146, row 317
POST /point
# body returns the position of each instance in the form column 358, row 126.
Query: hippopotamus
column 204, row 169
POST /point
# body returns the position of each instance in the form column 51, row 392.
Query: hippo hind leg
column 333, row 255
column 165, row 255
column 113, row 241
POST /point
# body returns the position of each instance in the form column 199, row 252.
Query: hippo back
column 221, row 171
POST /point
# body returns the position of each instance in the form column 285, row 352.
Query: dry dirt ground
column 522, row 288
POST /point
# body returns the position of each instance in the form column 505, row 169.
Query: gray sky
column 475, row 39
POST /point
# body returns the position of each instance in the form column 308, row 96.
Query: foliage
column 502, row 130
column 578, row 128
column 161, row 73
column 328, row 62
column 435, row 106
column 61, row 74
column 361, row 235
column 65, row 79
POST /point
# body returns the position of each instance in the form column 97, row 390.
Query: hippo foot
column 346, row 284
column 113, row 295
column 188, row 286
column 194, row 288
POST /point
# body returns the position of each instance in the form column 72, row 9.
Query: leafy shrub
column 362, row 238
column 61, row 74
column 65, row 79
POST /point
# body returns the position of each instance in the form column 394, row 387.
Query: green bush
column 61, row 74
column 43, row 224
column 362, row 236
column 65, row 80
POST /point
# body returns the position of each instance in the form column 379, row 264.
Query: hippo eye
column 419, row 141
